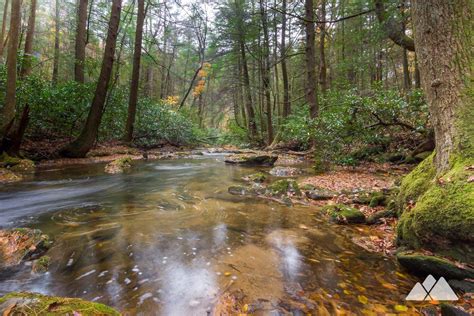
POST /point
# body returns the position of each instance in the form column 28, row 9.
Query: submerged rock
column 21, row 244
column 283, row 188
column 343, row 214
column 285, row 171
column 258, row 177
column 252, row 159
column 423, row 265
column 119, row 165
column 320, row 194
column 41, row 265
column 37, row 304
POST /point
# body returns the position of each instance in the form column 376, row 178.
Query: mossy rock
column 241, row 190
column 8, row 176
column 320, row 194
column 119, row 165
column 21, row 244
column 377, row 216
column 41, row 265
column 24, row 166
column 258, row 177
column 343, row 214
column 252, row 159
column 283, row 187
column 442, row 218
column 7, row 161
column 307, row 187
column 424, row 265
column 378, row 199
column 37, row 304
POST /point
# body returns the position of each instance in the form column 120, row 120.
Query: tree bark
column 81, row 37
column 284, row 69
column 266, row 72
column 311, row 96
column 444, row 48
column 323, row 81
column 28, row 53
column 85, row 141
column 137, row 54
column 8, row 110
column 56, row 45
column 4, row 27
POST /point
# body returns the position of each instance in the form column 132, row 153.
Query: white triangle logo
column 432, row 290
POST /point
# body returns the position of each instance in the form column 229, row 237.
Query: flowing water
column 167, row 239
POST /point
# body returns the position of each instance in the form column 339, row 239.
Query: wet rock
column 343, row 214
column 37, row 304
column 41, row 265
column 285, row 171
column 283, row 187
column 23, row 166
column 320, row 194
column 423, row 265
column 119, row 165
column 258, row 177
column 462, row 286
column 21, row 244
column 377, row 199
column 252, row 159
column 8, row 176
column 241, row 190
column 377, row 216
column 451, row 310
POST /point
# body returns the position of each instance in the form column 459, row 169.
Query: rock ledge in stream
column 37, row 304
column 343, row 214
column 21, row 244
column 252, row 159
column 119, row 165
column 423, row 265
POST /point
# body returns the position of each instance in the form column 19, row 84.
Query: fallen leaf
column 362, row 299
column 401, row 308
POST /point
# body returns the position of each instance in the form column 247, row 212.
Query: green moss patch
column 283, row 187
column 343, row 214
column 37, row 304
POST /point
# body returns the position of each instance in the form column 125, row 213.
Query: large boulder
column 423, row 265
column 252, row 159
column 281, row 171
column 21, row 244
column 37, row 304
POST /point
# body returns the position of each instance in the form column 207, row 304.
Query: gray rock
column 285, row 171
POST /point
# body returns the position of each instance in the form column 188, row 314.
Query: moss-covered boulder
column 21, row 244
column 258, row 177
column 424, row 265
column 378, row 199
column 344, row 214
column 283, row 187
column 37, row 304
column 438, row 211
column 281, row 171
column 252, row 159
column 377, row 216
column 119, row 165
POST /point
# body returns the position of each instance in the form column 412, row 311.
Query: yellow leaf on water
column 401, row 308
column 227, row 274
column 362, row 299
column 245, row 308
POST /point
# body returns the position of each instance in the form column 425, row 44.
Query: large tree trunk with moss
column 86, row 139
column 137, row 54
column 440, row 192
column 8, row 110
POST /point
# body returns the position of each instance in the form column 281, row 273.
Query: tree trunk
column 4, row 27
column 85, row 141
column 56, row 45
column 266, row 72
column 137, row 54
column 8, row 110
column 444, row 49
column 417, row 74
column 311, row 97
column 28, row 54
column 284, row 70
column 81, row 37
column 323, row 81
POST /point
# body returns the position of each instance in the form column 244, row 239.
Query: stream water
column 167, row 239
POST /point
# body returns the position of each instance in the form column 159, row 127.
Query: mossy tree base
column 438, row 210
column 37, row 304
